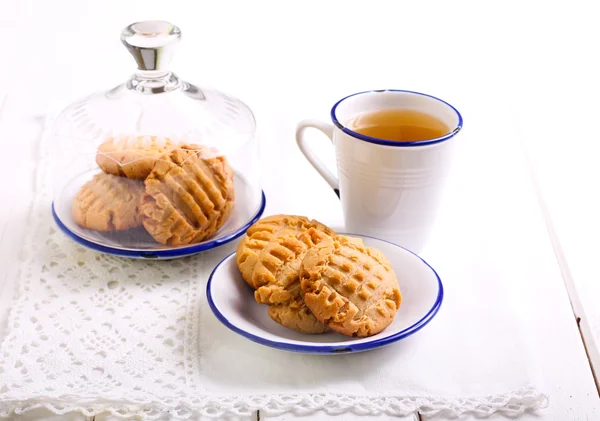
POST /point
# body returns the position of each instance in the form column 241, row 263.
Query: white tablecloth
column 96, row 334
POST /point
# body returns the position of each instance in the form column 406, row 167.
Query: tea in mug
column 398, row 125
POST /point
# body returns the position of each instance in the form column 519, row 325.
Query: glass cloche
column 155, row 167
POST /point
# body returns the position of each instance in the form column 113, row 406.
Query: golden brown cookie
column 277, row 272
column 108, row 203
column 247, row 252
column 296, row 316
column 132, row 156
column 263, row 231
column 189, row 196
column 349, row 287
column 277, row 275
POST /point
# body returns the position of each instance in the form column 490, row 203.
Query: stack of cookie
column 181, row 194
column 314, row 280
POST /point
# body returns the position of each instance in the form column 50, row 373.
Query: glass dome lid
column 157, row 102
column 155, row 147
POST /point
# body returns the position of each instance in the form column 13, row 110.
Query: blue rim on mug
column 377, row 141
column 331, row 349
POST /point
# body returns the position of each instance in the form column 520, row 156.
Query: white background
column 531, row 68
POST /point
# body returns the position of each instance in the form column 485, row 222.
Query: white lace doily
column 94, row 333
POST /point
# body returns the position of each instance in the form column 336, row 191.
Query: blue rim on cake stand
column 164, row 252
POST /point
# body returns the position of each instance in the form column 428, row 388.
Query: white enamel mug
column 389, row 190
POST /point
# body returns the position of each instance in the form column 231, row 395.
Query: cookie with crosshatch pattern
column 260, row 234
column 132, row 156
column 269, row 259
column 108, row 203
column 189, row 195
column 349, row 287
column 278, row 273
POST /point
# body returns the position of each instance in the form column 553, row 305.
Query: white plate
column 137, row 242
column 232, row 302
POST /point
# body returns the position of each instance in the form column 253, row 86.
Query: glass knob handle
column 152, row 43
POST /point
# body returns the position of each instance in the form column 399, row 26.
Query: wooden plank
column 566, row 181
column 575, row 257
column 320, row 416
column 45, row 415
column 167, row 417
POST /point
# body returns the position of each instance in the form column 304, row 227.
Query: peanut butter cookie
column 108, row 203
column 277, row 269
column 132, row 156
column 261, row 233
column 189, row 196
column 349, row 287
column 277, row 272
column 296, row 316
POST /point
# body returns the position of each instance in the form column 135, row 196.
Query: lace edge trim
column 510, row 404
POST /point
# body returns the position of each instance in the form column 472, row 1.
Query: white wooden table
column 567, row 187
column 292, row 60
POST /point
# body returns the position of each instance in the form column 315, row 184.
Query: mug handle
column 312, row 157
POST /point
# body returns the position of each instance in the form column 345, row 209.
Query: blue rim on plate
column 377, row 141
column 165, row 253
column 332, row 349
